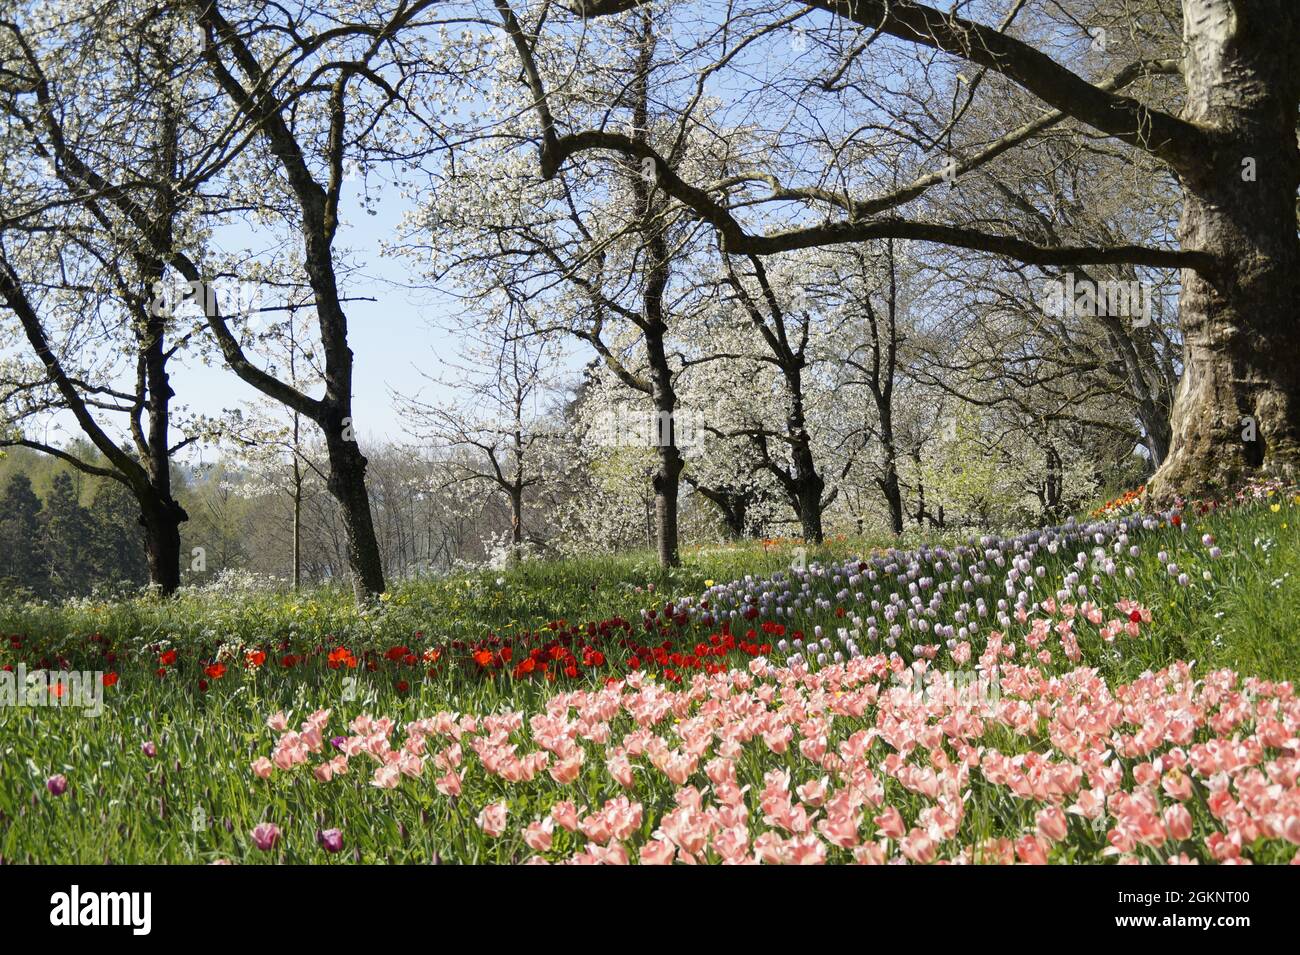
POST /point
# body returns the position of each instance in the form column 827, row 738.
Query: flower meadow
column 864, row 761
column 1112, row 691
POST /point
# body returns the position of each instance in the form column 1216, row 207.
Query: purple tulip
column 149, row 749
column 57, row 785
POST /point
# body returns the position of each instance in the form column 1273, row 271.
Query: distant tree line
column 55, row 546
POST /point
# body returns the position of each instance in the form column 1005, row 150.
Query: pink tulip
column 1030, row 850
column 492, row 819
column 566, row 770
column 57, row 785
column 1052, row 824
column 918, row 847
column 1177, row 785
column 891, row 823
column 448, row 785
column 839, row 830
column 1178, row 822
column 869, row 853
column 807, row 850
column 538, row 834
column 657, row 852
column 621, row 769
column 613, row 854
column 265, row 835
column 386, row 777
column 565, row 815
column 813, row 793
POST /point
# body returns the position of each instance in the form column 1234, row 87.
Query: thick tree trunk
column 809, row 496
column 347, row 483
column 162, row 540
column 734, row 518
column 1237, row 411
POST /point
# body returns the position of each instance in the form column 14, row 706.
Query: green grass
column 462, row 606
column 197, row 800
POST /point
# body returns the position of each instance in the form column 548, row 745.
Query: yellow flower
column 708, row 583
column 1275, row 508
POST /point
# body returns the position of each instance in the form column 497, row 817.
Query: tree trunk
column 347, row 483
column 516, row 494
column 1237, row 410
column 654, row 323
column 1156, row 436
column 1053, row 486
column 160, row 513
column 885, row 412
column 297, row 468
column 893, row 496
column 162, row 537
column 667, row 483
column 735, row 518
column 734, row 506
column 516, row 489
column 923, row 512
column 297, row 528
column 806, row 484
column 667, row 479
column 809, row 496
